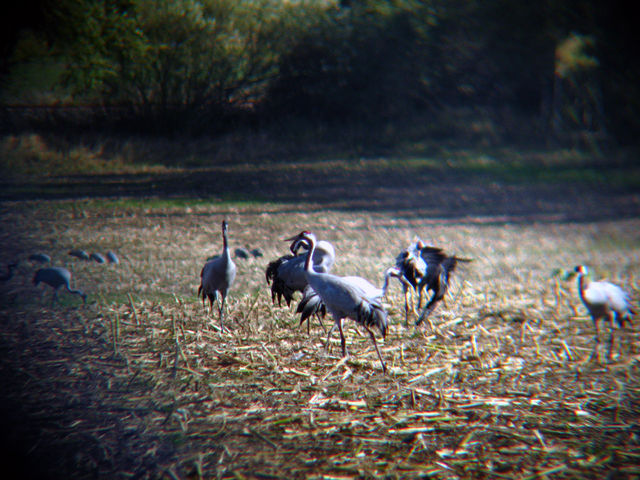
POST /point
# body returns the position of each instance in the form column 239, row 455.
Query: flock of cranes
column 419, row 268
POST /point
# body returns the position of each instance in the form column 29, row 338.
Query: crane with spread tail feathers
column 604, row 300
column 217, row 276
column 57, row 277
column 341, row 298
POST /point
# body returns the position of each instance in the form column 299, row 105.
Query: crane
column 341, row 298
column 440, row 266
column 98, row 257
column 57, row 277
column 217, row 276
column 10, row 269
column 286, row 274
column 311, row 303
column 413, row 268
column 81, row 254
column 604, row 300
column 112, row 257
column 40, row 257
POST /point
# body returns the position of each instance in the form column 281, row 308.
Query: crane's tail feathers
column 372, row 314
column 272, row 268
column 280, row 289
column 311, row 304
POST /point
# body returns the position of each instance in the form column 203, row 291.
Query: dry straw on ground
column 141, row 384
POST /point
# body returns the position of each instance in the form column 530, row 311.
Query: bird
column 98, row 257
column 286, row 274
column 603, row 300
column 439, row 267
column 242, row 252
column 81, row 254
column 10, row 269
column 311, row 303
column 256, row 252
column 112, row 257
column 40, row 258
column 217, row 277
column 413, row 268
column 57, row 277
column 342, row 299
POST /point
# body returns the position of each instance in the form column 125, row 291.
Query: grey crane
column 341, row 298
column 217, row 276
column 112, row 257
column 311, row 303
column 440, row 266
column 286, row 274
column 40, row 257
column 10, row 269
column 98, row 257
column 604, row 300
column 57, row 277
column 242, row 252
column 81, row 254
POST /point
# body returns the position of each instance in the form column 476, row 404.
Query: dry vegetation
column 139, row 383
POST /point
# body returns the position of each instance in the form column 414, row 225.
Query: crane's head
column 303, row 239
column 581, row 270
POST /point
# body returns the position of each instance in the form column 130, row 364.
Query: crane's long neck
column 225, row 246
column 75, row 292
column 583, row 283
column 308, row 263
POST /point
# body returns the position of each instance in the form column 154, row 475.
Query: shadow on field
column 449, row 195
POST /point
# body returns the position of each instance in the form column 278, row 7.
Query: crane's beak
column 295, row 237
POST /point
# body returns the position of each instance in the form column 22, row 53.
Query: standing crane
column 57, row 277
column 217, row 276
column 286, row 274
column 10, row 269
column 341, row 298
column 604, row 300
column 311, row 303
column 413, row 268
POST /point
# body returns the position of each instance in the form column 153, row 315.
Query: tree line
column 541, row 69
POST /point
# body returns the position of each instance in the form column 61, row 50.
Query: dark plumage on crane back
column 217, row 276
column 604, row 300
column 286, row 274
column 57, row 277
column 440, row 266
column 342, row 298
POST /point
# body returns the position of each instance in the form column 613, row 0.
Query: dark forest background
column 492, row 71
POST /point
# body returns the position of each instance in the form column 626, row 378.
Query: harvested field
column 139, row 383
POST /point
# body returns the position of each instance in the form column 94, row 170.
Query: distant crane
column 341, row 298
column 112, row 257
column 604, row 300
column 40, row 258
column 286, row 274
column 242, row 252
column 98, row 257
column 81, row 254
column 217, row 276
column 10, row 269
column 57, row 277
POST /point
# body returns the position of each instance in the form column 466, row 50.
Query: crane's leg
column 324, row 329
column 429, row 307
column 343, row 342
column 375, row 344
column 610, row 347
column 333, row 327
column 596, row 341
column 406, row 305
column 221, row 312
